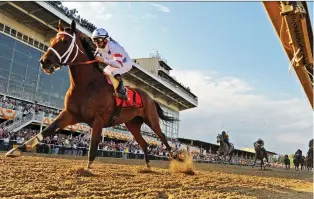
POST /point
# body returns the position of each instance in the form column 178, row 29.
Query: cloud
column 160, row 7
column 232, row 104
column 92, row 11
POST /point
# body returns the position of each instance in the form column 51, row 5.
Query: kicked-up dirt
column 48, row 176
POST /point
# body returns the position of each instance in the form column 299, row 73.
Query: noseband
column 69, row 51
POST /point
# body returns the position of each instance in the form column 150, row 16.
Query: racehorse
column 303, row 162
column 224, row 149
column 297, row 158
column 260, row 153
column 90, row 99
column 287, row 162
column 309, row 159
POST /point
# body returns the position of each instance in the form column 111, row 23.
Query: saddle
column 134, row 99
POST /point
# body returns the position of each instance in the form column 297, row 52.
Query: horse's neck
column 223, row 144
column 82, row 76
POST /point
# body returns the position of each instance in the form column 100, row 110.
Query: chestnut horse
column 89, row 98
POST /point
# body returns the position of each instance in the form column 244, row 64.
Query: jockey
column 311, row 143
column 226, row 138
column 113, row 55
column 298, row 152
column 261, row 143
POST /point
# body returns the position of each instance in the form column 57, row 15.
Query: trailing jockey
column 226, row 138
column 114, row 60
column 260, row 142
column 298, row 152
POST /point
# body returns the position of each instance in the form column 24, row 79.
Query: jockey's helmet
column 100, row 33
column 260, row 140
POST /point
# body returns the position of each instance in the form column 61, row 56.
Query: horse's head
column 219, row 138
column 63, row 49
column 258, row 146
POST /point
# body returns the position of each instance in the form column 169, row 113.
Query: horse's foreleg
column 64, row 119
column 95, row 139
column 254, row 162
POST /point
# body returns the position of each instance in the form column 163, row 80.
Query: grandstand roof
column 43, row 18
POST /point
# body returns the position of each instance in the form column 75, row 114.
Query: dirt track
column 52, row 177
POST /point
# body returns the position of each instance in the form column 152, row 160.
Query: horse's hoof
column 148, row 166
column 89, row 166
column 14, row 153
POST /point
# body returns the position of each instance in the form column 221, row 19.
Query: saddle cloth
column 134, row 99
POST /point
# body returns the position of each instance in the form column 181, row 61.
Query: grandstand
column 30, row 99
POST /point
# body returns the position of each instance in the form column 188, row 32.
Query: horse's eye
column 64, row 40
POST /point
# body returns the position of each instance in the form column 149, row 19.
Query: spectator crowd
column 109, row 147
column 73, row 14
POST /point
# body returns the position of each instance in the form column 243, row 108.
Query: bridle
column 69, row 51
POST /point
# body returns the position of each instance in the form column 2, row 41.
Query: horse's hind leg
column 134, row 127
column 152, row 121
column 64, row 119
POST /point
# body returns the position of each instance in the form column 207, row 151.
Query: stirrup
column 119, row 95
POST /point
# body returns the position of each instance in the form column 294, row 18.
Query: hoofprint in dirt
column 42, row 176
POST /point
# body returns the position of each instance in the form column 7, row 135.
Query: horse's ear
column 60, row 27
column 73, row 26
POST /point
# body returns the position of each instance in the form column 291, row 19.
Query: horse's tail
column 161, row 114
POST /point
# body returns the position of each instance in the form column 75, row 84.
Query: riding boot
column 121, row 91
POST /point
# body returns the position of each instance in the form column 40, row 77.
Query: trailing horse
column 309, row 159
column 260, row 153
column 90, row 99
column 297, row 158
column 287, row 162
column 224, row 149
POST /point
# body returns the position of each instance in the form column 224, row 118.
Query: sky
column 231, row 58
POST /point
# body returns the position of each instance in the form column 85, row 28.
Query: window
column 30, row 41
column 36, row 44
column 6, row 41
column 35, row 53
column 42, row 97
column 56, row 84
column 1, row 26
column 20, row 58
column 31, row 77
column 7, row 29
column 44, row 81
column 13, row 32
column 22, row 48
column 33, row 63
column 19, row 36
column 29, row 93
column 15, row 90
column 4, row 67
column 25, row 38
column 3, row 84
column 41, row 46
column 6, row 52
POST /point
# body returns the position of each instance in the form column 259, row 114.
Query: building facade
column 22, row 45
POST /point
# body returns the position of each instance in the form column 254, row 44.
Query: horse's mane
column 89, row 47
